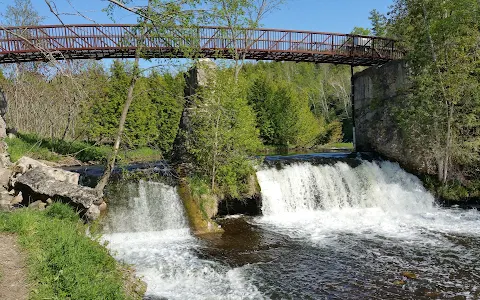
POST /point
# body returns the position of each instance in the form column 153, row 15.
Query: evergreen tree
column 166, row 94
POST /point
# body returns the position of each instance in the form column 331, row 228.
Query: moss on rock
column 198, row 209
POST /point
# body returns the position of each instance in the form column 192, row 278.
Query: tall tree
column 237, row 16
column 161, row 19
column 379, row 23
column 442, row 112
column 21, row 13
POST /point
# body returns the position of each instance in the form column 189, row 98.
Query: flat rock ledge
column 34, row 184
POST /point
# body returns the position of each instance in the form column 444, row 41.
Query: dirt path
column 13, row 277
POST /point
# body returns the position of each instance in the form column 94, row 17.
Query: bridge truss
column 44, row 43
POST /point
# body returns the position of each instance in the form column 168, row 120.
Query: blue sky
column 316, row 15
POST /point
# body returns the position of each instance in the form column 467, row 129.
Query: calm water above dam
column 327, row 232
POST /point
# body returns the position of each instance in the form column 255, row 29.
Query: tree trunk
column 215, row 151
column 448, row 145
column 121, row 126
column 238, row 65
column 69, row 121
column 443, row 171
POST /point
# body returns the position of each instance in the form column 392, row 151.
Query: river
column 328, row 231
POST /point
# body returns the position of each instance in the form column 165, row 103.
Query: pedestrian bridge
column 98, row 41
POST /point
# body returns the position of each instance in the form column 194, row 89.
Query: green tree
column 361, row 31
column 283, row 113
column 319, row 94
column 441, row 112
column 106, row 109
column 379, row 23
column 166, row 94
column 224, row 134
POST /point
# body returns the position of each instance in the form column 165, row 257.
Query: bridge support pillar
column 197, row 77
column 376, row 92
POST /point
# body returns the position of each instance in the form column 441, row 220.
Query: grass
column 57, row 150
column 54, row 150
column 62, row 261
column 339, row 145
column 18, row 148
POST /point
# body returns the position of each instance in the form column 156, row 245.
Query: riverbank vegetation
column 271, row 106
column 294, row 105
column 67, row 152
column 63, row 262
column 440, row 115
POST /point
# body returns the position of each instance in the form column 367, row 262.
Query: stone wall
column 378, row 93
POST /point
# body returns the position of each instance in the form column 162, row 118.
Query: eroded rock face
column 36, row 183
column 5, row 174
column 198, row 77
column 4, row 156
column 26, row 163
column 5, row 200
column 40, row 182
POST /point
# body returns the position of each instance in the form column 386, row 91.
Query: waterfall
column 322, row 202
column 303, row 187
column 148, row 206
column 146, row 227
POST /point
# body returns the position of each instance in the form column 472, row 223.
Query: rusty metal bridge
column 49, row 42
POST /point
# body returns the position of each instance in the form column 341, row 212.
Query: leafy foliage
column 443, row 108
column 295, row 103
column 152, row 119
column 224, row 133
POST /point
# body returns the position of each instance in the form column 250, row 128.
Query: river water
column 327, row 232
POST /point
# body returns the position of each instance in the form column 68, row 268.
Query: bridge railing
column 47, row 39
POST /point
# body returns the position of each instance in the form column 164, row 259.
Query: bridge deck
column 42, row 43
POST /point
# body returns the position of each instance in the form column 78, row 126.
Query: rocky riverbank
column 31, row 183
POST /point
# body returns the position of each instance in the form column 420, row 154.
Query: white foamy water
column 375, row 198
column 149, row 206
column 151, row 233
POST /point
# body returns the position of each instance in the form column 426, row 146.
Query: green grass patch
column 55, row 150
column 63, row 262
column 339, row 145
column 18, row 147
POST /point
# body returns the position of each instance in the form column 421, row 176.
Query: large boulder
column 26, row 163
column 5, row 174
column 35, row 181
column 38, row 182
column 5, row 200
column 3, row 128
column 4, row 156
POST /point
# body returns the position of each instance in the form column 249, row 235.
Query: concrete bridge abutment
column 379, row 94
